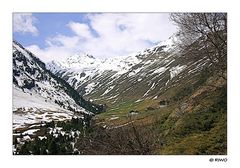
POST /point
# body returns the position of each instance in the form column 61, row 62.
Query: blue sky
column 55, row 36
column 49, row 25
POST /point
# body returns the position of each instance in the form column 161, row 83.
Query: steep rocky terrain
column 40, row 96
column 143, row 75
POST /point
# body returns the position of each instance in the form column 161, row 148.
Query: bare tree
column 207, row 32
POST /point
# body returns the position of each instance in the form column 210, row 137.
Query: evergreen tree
column 52, row 147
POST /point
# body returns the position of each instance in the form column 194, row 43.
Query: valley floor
column 191, row 125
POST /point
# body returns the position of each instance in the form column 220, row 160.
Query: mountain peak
column 90, row 56
column 81, row 56
column 37, row 89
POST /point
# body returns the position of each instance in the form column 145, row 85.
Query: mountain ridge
column 145, row 74
column 37, row 90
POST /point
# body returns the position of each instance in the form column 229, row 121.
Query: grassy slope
column 193, row 123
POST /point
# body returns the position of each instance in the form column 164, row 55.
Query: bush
column 128, row 140
column 29, row 84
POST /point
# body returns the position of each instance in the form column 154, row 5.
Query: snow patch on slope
column 90, row 87
column 160, row 70
column 174, row 71
column 108, row 90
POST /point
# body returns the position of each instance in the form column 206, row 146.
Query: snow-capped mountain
column 40, row 96
column 142, row 75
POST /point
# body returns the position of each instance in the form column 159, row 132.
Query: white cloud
column 24, row 23
column 80, row 29
column 63, row 41
column 107, row 35
column 50, row 53
column 146, row 26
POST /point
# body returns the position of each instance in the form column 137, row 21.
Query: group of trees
column 51, row 145
column 90, row 140
column 204, row 34
column 127, row 140
column 55, row 143
column 90, row 106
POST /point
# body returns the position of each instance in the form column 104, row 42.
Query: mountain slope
column 172, row 101
column 39, row 96
column 143, row 75
column 162, row 100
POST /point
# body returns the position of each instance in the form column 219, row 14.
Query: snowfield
column 32, row 109
column 38, row 97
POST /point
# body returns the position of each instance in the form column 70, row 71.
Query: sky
column 56, row 36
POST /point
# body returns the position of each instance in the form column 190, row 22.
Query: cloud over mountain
column 107, row 34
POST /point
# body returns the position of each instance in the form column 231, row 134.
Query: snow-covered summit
column 81, row 63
